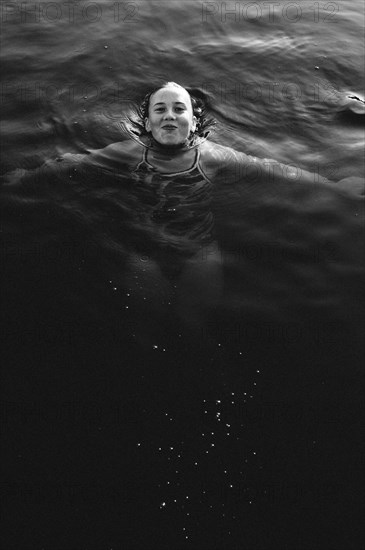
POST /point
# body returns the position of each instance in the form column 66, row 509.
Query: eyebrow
column 176, row 103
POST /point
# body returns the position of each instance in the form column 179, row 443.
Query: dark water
column 149, row 400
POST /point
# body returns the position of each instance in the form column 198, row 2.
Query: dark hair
column 204, row 123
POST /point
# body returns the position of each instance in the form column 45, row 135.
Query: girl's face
column 170, row 116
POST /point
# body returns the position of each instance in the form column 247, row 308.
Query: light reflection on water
column 156, row 349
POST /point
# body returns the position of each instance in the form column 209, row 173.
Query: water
column 217, row 405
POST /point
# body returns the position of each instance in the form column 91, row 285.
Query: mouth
column 169, row 127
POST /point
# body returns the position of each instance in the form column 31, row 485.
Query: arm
column 229, row 166
column 112, row 158
column 116, row 154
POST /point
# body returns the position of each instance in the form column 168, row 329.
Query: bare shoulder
column 215, row 150
column 121, row 152
column 235, row 167
column 217, row 159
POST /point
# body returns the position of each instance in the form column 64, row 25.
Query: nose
column 169, row 115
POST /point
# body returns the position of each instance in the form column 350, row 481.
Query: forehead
column 171, row 95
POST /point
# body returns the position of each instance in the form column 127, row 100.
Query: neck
column 173, row 149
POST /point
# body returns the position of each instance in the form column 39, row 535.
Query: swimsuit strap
column 145, row 166
column 143, row 163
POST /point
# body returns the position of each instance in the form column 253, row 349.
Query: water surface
column 152, row 400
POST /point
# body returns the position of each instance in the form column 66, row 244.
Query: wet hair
column 204, row 123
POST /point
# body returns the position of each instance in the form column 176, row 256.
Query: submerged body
column 168, row 175
column 213, row 161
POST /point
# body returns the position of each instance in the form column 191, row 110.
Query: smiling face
column 170, row 116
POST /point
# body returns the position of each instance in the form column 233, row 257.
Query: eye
column 180, row 109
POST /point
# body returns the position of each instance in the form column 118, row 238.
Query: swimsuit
column 175, row 208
